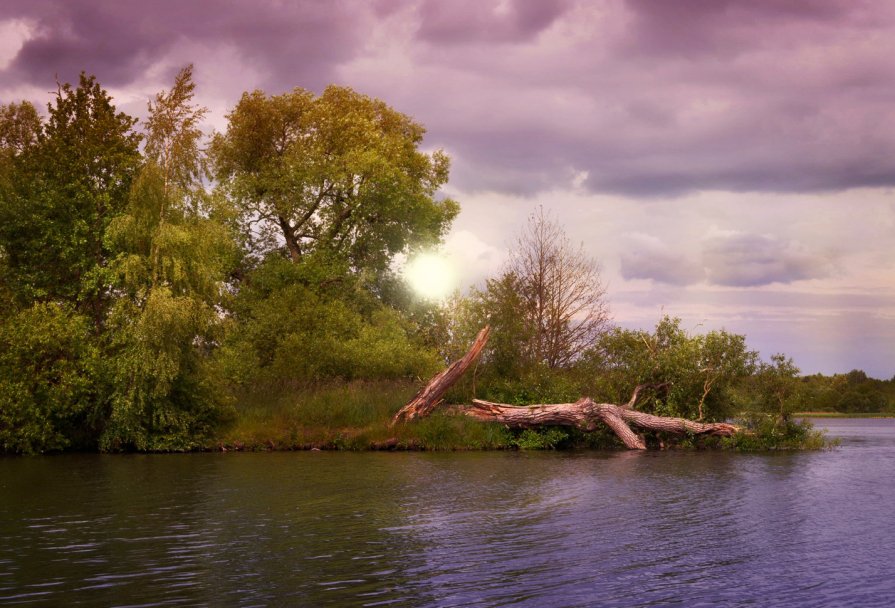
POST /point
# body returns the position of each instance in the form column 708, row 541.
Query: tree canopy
column 72, row 177
column 136, row 299
column 337, row 174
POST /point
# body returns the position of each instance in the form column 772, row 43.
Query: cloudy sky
column 728, row 162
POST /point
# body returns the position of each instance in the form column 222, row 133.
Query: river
column 455, row 529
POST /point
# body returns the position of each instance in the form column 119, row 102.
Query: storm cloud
column 649, row 98
column 293, row 43
column 750, row 260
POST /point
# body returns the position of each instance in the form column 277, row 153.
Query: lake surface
column 477, row 529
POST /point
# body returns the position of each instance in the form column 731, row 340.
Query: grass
column 348, row 416
column 357, row 416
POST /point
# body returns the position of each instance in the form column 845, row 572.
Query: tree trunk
column 430, row 396
column 584, row 413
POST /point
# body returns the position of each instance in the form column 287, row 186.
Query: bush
column 769, row 432
column 294, row 335
column 48, row 371
column 549, row 438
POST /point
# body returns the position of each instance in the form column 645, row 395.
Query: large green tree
column 339, row 174
column 73, row 175
column 20, row 130
column 171, row 259
column 62, row 182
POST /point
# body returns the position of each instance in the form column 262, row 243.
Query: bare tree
column 563, row 297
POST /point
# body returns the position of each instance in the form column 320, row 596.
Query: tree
column 550, row 296
column 293, row 331
column 48, row 373
column 73, row 176
column 584, row 413
column 777, row 387
column 173, row 135
column 339, row 174
column 171, row 260
column 696, row 372
column 20, row 131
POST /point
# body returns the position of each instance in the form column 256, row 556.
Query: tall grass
column 353, row 416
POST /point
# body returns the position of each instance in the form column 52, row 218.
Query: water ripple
column 495, row 529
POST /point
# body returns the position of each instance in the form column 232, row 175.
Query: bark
column 584, row 413
column 430, row 396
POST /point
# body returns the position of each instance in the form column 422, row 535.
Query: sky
column 731, row 163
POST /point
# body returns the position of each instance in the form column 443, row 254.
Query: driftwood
column 584, row 413
column 430, row 395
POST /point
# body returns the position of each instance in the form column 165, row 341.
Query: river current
column 455, row 529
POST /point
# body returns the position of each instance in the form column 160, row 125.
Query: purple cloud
column 750, row 260
column 488, row 22
column 646, row 257
column 651, row 99
column 296, row 43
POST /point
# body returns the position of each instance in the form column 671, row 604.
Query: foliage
column 853, row 392
column 541, row 439
column 173, row 134
column 169, row 267
column 73, row 176
column 20, row 130
column 775, row 388
column 48, row 369
column 339, row 173
column 293, row 333
column 546, row 308
column 349, row 415
column 563, row 300
column 694, row 375
column 763, row 431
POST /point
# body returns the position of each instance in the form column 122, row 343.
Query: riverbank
column 357, row 416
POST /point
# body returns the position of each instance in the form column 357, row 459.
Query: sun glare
column 430, row 275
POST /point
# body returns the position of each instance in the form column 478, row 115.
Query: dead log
column 430, row 395
column 584, row 413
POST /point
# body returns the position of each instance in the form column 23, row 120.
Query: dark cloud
column 650, row 98
column 489, row 21
column 298, row 44
column 730, row 259
column 648, row 258
column 668, row 98
column 691, row 28
column 750, row 260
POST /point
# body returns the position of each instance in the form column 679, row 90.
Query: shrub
column 769, row 432
column 47, row 379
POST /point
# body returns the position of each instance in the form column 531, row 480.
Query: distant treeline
column 853, row 392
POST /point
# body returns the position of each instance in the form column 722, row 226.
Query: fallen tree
column 584, row 413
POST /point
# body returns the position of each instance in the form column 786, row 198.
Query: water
column 478, row 529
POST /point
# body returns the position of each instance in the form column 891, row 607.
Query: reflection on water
column 478, row 529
